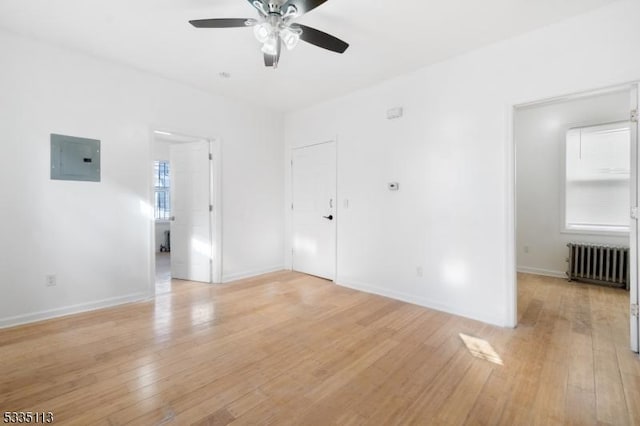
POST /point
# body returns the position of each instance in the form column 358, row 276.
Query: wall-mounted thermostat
column 393, row 186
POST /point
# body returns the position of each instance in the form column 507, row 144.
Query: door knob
column 330, row 217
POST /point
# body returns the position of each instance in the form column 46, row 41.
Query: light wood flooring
column 289, row 349
column 163, row 273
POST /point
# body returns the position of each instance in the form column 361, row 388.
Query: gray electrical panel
column 75, row 158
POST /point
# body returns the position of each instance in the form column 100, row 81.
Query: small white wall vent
column 394, row 113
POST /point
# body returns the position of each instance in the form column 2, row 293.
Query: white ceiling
column 387, row 38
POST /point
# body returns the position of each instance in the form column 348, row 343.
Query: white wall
column 96, row 236
column 540, row 133
column 161, row 149
column 450, row 154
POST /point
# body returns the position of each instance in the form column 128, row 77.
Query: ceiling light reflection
column 202, row 313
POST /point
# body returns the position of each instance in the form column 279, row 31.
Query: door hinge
column 634, row 115
column 210, row 207
column 291, row 163
column 210, row 156
column 291, row 206
column 634, row 213
column 634, row 310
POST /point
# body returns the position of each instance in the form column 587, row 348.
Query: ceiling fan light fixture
column 276, row 26
column 270, row 46
column 292, row 12
column 260, row 6
column 290, row 38
column 262, row 32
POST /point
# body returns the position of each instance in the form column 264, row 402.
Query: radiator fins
column 597, row 264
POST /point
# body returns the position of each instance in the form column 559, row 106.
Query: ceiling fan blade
column 303, row 6
column 322, row 39
column 223, row 23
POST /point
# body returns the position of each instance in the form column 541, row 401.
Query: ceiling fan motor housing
column 274, row 7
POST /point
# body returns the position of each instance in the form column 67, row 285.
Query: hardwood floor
column 289, row 349
column 163, row 273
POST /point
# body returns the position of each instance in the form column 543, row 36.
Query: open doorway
column 162, row 214
column 576, row 183
column 186, row 194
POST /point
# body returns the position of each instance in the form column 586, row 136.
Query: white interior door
column 314, row 209
column 633, row 245
column 191, row 245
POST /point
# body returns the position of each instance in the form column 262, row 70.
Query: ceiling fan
column 276, row 27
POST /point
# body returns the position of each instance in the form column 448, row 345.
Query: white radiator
column 607, row 265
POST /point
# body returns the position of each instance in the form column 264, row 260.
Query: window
column 598, row 160
column 162, row 206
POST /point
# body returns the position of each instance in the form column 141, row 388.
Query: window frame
column 165, row 189
column 604, row 231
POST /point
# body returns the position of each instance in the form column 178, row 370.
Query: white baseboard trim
column 539, row 271
column 73, row 309
column 421, row 301
column 249, row 274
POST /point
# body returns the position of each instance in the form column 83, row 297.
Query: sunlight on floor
column 480, row 348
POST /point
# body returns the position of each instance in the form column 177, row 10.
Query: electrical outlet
column 419, row 271
column 50, row 280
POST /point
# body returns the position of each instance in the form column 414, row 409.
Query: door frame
column 511, row 262
column 337, row 204
column 634, row 290
column 215, row 197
